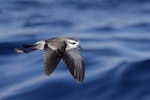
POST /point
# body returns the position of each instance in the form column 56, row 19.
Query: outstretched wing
column 75, row 64
column 52, row 56
column 51, row 59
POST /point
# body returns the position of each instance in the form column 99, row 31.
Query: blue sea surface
column 114, row 35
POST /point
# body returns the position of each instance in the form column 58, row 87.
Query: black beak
column 80, row 47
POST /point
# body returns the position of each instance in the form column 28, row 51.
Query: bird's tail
column 29, row 46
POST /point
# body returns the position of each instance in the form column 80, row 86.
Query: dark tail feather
column 23, row 51
column 28, row 45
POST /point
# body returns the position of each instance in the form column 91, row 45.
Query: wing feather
column 51, row 59
column 53, row 56
column 75, row 64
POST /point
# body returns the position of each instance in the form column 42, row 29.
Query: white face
column 72, row 44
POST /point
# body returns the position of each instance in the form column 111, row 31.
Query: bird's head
column 73, row 43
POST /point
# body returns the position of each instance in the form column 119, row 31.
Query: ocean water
column 114, row 35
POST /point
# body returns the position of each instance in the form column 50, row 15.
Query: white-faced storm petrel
column 58, row 48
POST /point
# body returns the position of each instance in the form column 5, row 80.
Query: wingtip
column 47, row 72
column 80, row 81
column 79, row 78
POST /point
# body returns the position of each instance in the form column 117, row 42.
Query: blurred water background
column 115, row 35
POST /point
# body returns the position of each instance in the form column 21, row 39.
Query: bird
column 57, row 48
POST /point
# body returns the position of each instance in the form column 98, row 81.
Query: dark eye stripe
column 72, row 42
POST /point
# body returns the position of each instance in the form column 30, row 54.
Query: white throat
column 71, row 44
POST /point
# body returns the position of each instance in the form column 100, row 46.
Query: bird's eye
column 73, row 43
